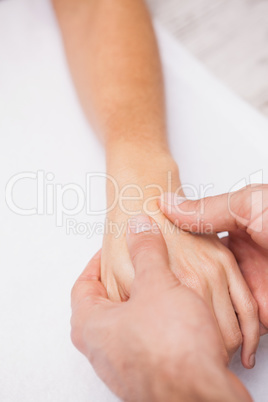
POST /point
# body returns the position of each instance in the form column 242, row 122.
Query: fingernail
column 252, row 360
column 139, row 224
column 172, row 199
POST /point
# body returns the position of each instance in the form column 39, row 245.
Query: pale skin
column 149, row 348
column 113, row 57
column 244, row 214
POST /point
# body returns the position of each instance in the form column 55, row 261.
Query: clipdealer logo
column 51, row 196
column 53, row 199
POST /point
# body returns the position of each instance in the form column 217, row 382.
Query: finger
column 247, row 313
column 227, row 321
column 87, row 292
column 148, row 251
column 253, row 264
column 245, row 209
column 216, row 310
column 88, row 286
column 210, row 214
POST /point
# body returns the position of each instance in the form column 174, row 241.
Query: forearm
column 113, row 57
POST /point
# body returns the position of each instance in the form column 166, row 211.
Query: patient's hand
column 200, row 262
column 244, row 214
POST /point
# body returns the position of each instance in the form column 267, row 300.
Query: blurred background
column 229, row 36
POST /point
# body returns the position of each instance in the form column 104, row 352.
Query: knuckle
column 204, row 285
column 198, row 283
column 219, row 274
column 228, row 258
column 235, row 341
column 215, row 272
column 250, row 306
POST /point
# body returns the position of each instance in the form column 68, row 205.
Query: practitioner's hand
column 160, row 345
column 245, row 215
column 200, row 262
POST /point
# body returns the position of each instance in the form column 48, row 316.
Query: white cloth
column 216, row 138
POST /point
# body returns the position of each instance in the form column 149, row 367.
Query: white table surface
column 216, row 138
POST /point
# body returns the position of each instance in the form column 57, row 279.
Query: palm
column 253, row 262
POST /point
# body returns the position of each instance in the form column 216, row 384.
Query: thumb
column 148, row 252
column 244, row 209
column 207, row 215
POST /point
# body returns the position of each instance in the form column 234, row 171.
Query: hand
column 200, row 262
column 245, row 215
column 162, row 344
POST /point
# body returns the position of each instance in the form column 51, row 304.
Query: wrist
column 137, row 179
column 136, row 154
